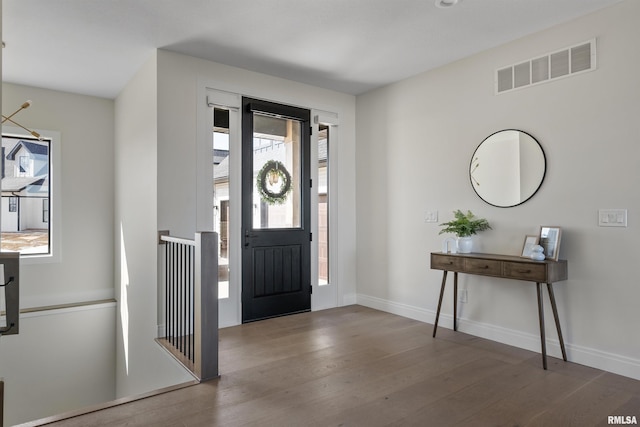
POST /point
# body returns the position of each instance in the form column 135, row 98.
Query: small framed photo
column 550, row 241
column 529, row 242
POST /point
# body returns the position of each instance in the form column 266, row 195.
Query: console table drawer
column 439, row 262
column 482, row 266
column 525, row 271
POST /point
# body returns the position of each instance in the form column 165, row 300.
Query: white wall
column 85, row 125
column 71, row 352
column 142, row 365
column 415, row 141
column 62, row 360
column 156, row 181
column 181, row 83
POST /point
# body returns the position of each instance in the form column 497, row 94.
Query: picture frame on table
column 549, row 239
column 529, row 242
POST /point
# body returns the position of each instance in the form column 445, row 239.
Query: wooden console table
column 507, row 267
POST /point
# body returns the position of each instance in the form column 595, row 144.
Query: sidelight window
column 323, row 205
column 221, row 215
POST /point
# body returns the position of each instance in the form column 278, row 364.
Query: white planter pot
column 465, row 245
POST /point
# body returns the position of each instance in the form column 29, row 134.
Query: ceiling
column 94, row 47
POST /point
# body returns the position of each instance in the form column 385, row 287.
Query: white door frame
column 230, row 309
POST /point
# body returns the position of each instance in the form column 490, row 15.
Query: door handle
column 247, row 236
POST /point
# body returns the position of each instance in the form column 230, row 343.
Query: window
column 13, row 204
column 25, row 226
column 45, row 210
column 221, row 196
column 24, row 166
column 323, row 206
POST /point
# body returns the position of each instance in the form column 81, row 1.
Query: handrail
column 1, row 402
column 167, row 238
column 188, row 295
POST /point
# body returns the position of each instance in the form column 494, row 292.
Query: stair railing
column 1, row 402
column 188, row 297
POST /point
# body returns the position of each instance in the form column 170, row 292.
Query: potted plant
column 464, row 226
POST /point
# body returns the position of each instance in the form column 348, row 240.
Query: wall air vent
column 562, row 63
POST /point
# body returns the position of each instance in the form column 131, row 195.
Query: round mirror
column 507, row 168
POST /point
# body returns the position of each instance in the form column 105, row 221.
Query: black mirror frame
column 544, row 172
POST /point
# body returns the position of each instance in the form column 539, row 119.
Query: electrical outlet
column 463, row 296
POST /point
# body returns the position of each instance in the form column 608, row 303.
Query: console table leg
column 455, row 300
column 541, row 316
column 444, row 281
column 555, row 316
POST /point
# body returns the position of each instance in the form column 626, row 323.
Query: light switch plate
column 431, row 216
column 612, row 217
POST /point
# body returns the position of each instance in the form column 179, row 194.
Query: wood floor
column 354, row 366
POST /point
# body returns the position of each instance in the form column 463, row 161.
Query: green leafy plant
column 465, row 225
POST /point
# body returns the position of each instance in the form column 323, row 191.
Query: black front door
column 276, row 277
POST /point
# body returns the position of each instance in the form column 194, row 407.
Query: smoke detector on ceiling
column 446, row 3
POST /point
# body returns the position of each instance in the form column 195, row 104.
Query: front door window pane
column 276, row 172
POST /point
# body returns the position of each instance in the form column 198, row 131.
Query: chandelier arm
column 25, row 105
column 32, row 132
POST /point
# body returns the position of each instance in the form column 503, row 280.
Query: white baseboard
column 228, row 324
column 349, row 299
column 615, row 363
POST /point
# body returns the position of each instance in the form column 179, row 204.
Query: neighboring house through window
column 25, row 226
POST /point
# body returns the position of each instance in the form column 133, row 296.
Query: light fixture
column 24, row 106
column 446, row 3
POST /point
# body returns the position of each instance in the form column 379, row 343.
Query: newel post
column 206, row 305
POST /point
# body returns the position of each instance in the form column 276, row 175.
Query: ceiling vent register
column 567, row 62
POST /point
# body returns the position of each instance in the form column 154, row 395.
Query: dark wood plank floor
column 354, row 366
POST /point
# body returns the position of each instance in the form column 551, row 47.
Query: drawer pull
column 524, row 271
